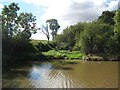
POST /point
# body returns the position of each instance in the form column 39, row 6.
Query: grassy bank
column 68, row 55
column 47, row 51
column 63, row 54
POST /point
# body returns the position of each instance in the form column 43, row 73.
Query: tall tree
column 9, row 17
column 54, row 26
column 45, row 31
column 26, row 25
column 107, row 17
column 16, row 30
column 14, row 25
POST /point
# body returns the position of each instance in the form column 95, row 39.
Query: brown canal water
column 87, row 74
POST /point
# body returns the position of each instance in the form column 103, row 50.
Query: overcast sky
column 67, row 12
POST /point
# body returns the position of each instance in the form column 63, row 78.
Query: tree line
column 101, row 36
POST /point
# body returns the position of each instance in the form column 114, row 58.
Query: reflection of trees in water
column 82, row 75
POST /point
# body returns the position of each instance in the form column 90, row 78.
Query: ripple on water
column 82, row 75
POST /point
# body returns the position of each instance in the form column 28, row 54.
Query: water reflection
column 39, row 72
column 43, row 76
column 82, row 75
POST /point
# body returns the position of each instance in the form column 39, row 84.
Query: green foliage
column 101, row 36
column 17, row 26
column 107, row 17
column 98, row 37
column 117, row 22
column 69, row 37
column 26, row 26
column 16, row 31
column 63, row 54
column 94, row 38
column 9, row 16
column 54, row 26
column 43, row 45
column 116, row 37
column 14, row 50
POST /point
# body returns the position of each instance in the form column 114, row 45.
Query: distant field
column 34, row 42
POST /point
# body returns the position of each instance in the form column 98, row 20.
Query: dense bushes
column 18, row 50
column 69, row 37
column 96, row 37
column 14, row 50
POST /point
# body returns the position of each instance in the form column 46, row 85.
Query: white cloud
column 73, row 11
column 69, row 12
column 113, row 5
column 1, row 6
